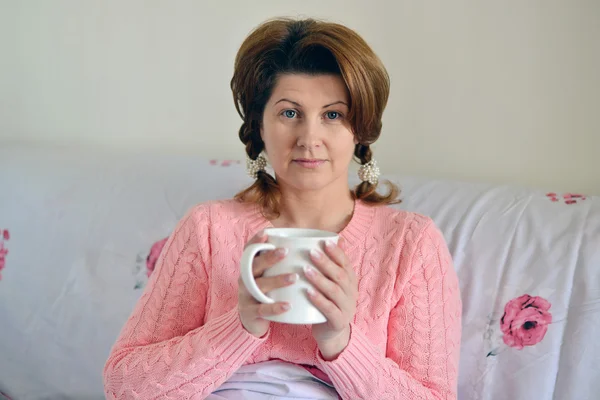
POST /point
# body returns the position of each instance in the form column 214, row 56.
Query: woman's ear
column 261, row 130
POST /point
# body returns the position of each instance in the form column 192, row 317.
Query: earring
column 254, row 166
column 369, row 172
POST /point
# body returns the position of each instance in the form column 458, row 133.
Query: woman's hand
column 335, row 296
column 251, row 311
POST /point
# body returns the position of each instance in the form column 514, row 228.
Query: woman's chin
column 312, row 183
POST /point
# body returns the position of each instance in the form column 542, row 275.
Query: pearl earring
column 254, row 166
column 369, row 172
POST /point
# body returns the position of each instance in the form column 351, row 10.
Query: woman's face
column 308, row 140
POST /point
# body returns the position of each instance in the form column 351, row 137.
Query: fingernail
column 286, row 307
column 309, row 271
column 281, row 252
column 311, row 292
column 291, row 278
column 315, row 253
column 329, row 244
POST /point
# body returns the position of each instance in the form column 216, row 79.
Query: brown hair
column 283, row 46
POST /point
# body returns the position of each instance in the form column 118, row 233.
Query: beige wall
column 502, row 91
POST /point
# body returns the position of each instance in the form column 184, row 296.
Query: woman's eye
column 289, row 113
column 332, row 115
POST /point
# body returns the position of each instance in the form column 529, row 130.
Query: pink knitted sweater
column 184, row 337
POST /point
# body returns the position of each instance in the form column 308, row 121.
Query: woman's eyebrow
column 337, row 102
column 300, row 105
column 289, row 101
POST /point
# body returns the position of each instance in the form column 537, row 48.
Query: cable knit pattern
column 184, row 337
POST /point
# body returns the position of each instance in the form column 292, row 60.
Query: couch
column 80, row 229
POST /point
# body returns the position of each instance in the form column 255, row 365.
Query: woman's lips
column 309, row 163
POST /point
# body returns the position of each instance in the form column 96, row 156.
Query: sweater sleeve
column 166, row 350
column 424, row 329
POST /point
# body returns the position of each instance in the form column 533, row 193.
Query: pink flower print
column 224, row 163
column 6, row 234
column 552, row 196
column 525, row 321
column 573, row 198
column 227, row 163
column 3, row 253
column 154, row 254
column 569, row 198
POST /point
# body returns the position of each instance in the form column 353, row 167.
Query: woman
column 311, row 95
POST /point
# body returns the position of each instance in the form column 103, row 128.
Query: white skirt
column 273, row 380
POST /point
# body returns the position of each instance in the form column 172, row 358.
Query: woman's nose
column 309, row 135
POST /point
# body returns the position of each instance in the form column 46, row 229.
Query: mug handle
column 246, row 271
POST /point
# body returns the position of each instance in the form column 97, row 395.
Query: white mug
column 299, row 243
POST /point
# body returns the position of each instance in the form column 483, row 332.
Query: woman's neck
column 323, row 210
